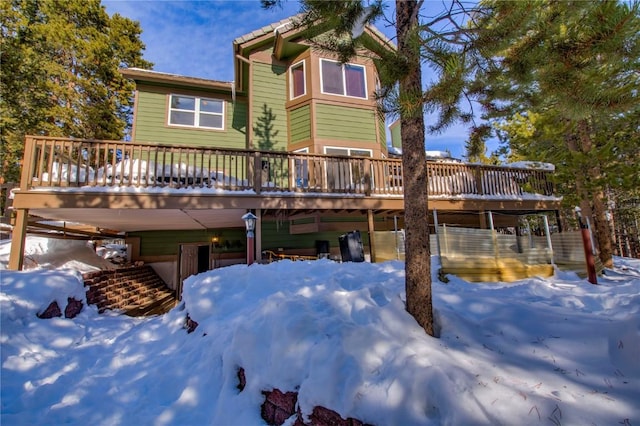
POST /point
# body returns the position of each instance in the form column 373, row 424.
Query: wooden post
column 494, row 236
column 372, row 244
column 435, row 223
column 483, row 220
column 250, row 249
column 19, row 234
column 18, row 238
column 258, row 236
column 547, row 231
column 367, row 177
column 257, row 172
column 588, row 254
column 444, row 237
column 588, row 248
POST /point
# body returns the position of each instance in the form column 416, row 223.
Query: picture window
column 343, row 79
column 191, row 111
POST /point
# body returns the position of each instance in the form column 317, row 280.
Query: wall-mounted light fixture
column 250, row 223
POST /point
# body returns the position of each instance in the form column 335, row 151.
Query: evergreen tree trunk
column 599, row 208
column 602, row 230
column 592, row 196
column 414, row 166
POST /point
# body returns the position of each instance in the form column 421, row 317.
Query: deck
column 129, row 186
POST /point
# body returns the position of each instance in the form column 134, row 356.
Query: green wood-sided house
column 295, row 138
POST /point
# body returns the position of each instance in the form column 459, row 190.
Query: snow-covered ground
column 556, row 351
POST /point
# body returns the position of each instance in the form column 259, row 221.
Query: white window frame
column 344, row 80
column 351, row 181
column 304, row 77
column 196, row 111
column 370, row 151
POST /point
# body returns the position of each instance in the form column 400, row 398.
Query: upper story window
column 352, row 152
column 191, row 111
column 343, row 79
column 298, row 87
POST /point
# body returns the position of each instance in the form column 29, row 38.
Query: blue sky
column 194, row 38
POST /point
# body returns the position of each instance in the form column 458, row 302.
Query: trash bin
column 351, row 247
column 322, row 249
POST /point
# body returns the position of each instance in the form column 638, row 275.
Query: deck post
column 446, row 242
column 395, row 234
column 558, row 220
column 18, row 238
column 494, row 236
column 548, row 234
column 258, row 237
column 435, row 224
column 371, row 226
column 483, row 219
column 19, row 233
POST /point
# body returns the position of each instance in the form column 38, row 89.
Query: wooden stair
column 135, row 290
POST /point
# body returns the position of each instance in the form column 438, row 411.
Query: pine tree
column 414, row 168
column 439, row 40
column 567, row 71
column 60, row 73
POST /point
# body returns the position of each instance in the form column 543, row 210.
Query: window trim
column 344, row 80
column 370, row 151
column 304, row 80
column 196, row 112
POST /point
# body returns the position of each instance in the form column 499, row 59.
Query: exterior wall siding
column 396, row 139
column 276, row 236
column 382, row 132
column 345, row 123
column 268, row 113
column 151, row 117
column 300, row 124
column 163, row 243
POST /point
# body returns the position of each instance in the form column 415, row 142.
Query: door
column 194, row 259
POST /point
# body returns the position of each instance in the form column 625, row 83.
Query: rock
column 74, row 307
column 242, row 380
column 53, row 310
column 190, row 325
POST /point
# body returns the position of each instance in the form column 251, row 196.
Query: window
column 352, row 152
column 343, row 173
column 343, row 79
column 191, row 111
column 298, row 87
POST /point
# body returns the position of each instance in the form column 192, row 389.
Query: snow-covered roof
column 532, row 165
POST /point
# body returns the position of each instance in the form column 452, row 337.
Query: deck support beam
column 372, row 238
column 18, row 238
column 483, row 219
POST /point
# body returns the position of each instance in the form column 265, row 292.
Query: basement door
column 194, row 259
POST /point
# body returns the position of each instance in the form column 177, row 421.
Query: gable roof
column 287, row 24
column 272, row 33
column 282, row 25
column 281, row 37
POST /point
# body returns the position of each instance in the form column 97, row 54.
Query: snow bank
column 54, row 253
column 538, row 351
column 25, row 294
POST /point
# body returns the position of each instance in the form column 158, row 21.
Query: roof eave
column 148, row 76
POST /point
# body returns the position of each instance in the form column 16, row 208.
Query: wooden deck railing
column 56, row 162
